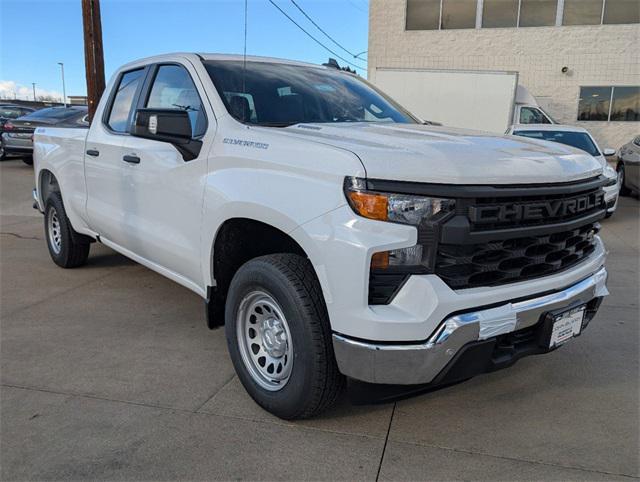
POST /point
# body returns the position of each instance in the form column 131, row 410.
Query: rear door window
column 123, row 99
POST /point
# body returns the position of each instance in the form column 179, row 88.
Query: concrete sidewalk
column 109, row 372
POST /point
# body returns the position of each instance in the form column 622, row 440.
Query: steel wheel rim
column 264, row 340
column 54, row 231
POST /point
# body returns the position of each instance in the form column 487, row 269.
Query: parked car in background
column 581, row 139
column 11, row 111
column 17, row 135
column 628, row 167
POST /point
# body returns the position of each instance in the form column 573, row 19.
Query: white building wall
column 595, row 55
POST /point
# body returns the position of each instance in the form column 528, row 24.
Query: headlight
column 611, row 175
column 419, row 211
column 397, row 208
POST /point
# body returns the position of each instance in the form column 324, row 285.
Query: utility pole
column 34, row 91
column 93, row 57
column 64, row 89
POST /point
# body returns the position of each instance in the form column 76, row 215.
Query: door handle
column 93, row 153
column 131, row 159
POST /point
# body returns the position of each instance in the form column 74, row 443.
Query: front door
column 166, row 192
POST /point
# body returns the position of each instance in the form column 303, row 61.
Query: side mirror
column 609, row 152
column 167, row 125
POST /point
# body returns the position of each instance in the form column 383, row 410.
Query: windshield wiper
column 277, row 124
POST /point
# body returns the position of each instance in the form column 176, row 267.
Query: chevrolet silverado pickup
column 332, row 233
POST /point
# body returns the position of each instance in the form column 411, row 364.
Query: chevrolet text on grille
column 537, row 210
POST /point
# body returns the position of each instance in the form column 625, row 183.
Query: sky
column 37, row 34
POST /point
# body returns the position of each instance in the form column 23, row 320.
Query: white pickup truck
column 331, row 233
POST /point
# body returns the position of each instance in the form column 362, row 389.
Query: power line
column 354, row 5
column 313, row 38
column 319, row 28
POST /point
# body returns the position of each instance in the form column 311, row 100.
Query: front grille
column 498, row 234
column 511, row 260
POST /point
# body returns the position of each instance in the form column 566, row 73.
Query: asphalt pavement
column 109, row 372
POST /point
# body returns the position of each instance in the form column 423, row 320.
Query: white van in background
column 484, row 100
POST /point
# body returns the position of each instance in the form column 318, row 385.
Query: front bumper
column 611, row 196
column 417, row 363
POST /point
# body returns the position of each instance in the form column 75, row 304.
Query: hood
column 443, row 155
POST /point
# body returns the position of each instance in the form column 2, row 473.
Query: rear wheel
column 624, row 190
column 279, row 336
column 28, row 160
column 67, row 248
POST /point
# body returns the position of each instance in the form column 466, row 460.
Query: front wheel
column 67, row 248
column 279, row 337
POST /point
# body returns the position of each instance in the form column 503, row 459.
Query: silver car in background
column 17, row 135
column 628, row 167
column 581, row 139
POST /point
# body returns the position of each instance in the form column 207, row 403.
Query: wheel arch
column 237, row 240
column 47, row 183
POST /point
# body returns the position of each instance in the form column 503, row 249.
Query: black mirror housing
column 167, row 125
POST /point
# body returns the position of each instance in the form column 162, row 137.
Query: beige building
column 579, row 58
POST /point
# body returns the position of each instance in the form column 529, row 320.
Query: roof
column 72, row 107
column 257, row 58
column 548, row 127
column 214, row 56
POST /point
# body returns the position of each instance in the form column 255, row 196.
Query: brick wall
column 595, row 55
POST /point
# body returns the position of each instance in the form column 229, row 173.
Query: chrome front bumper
column 416, row 363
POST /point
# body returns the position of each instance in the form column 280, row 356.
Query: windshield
column 273, row 94
column 57, row 113
column 580, row 140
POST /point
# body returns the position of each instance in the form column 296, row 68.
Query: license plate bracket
column 562, row 325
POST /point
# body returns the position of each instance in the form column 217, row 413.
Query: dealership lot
column 108, row 371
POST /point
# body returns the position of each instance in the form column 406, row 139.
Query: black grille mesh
column 512, row 260
column 382, row 286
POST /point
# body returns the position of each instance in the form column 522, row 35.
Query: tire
column 67, row 248
column 624, row 190
column 306, row 380
column 28, row 160
column 2, row 153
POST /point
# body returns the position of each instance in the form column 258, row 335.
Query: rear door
column 110, row 190
column 165, row 191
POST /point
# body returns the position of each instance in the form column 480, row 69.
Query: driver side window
column 531, row 115
column 173, row 89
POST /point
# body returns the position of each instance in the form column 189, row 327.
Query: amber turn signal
column 380, row 260
column 369, row 205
